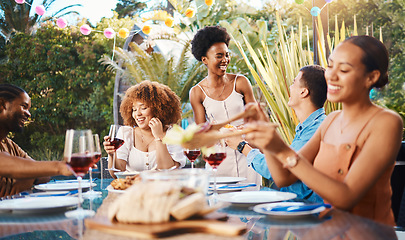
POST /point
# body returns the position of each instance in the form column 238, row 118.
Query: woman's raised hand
column 108, row 147
column 264, row 136
column 157, row 128
column 257, row 113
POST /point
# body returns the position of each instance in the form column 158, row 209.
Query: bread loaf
column 154, row 202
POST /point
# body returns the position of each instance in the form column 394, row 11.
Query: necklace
column 143, row 140
column 221, row 91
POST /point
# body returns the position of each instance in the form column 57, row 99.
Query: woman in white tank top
column 221, row 95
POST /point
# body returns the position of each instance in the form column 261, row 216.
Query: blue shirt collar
column 316, row 114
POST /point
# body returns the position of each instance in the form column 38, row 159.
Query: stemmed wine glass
column 97, row 155
column 79, row 154
column 214, row 158
column 192, row 155
column 116, row 136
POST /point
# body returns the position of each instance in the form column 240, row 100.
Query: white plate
column 28, row 205
column 125, row 174
column 228, row 179
column 62, row 186
column 111, row 189
column 266, row 209
column 256, row 197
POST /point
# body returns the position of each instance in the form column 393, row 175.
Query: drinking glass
column 79, row 154
column 97, row 155
column 214, row 159
column 116, row 136
column 192, row 155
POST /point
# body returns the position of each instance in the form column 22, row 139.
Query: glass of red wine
column 116, row 137
column 214, row 158
column 79, row 154
column 97, row 155
column 192, row 155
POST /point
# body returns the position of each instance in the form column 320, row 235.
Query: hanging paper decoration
column 20, row 1
column 315, row 11
column 209, row 2
column 40, row 10
column 123, row 32
column 169, row 22
column 85, row 29
column 109, row 33
column 189, row 12
column 328, row 1
column 146, row 29
column 299, row 1
column 61, row 22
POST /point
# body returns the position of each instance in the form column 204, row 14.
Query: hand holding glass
column 79, row 154
column 116, row 142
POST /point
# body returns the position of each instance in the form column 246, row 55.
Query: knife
column 298, row 208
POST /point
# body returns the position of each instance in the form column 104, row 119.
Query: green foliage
column 68, row 87
column 128, row 8
column 16, row 17
column 180, row 73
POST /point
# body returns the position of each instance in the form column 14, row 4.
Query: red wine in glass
column 80, row 163
column 79, row 154
column 117, row 143
column 97, row 157
column 215, row 159
column 192, row 155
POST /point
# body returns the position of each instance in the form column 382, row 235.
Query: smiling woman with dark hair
column 148, row 109
column 221, row 95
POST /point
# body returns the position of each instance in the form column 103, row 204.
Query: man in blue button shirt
column 307, row 97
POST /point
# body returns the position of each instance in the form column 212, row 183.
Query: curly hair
column 164, row 103
column 205, row 38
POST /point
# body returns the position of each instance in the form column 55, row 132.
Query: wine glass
column 214, row 158
column 79, row 154
column 116, row 136
column 97, row 155
column 192, row 155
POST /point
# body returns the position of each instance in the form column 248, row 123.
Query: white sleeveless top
column 138, row 160
column 235, row 164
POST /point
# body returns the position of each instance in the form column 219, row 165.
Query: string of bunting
column 315, row 11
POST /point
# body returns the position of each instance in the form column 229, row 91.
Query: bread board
column 211, row 225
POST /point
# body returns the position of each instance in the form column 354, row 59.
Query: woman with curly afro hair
column 148, row 109
column 221, row 95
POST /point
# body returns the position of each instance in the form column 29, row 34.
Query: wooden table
column 334, row 225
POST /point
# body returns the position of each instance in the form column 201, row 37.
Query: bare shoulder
column 330, row 117
column 388, row 119
column 242, row 84
column 196, row 90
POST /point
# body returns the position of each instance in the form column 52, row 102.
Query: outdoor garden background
column 71, row 76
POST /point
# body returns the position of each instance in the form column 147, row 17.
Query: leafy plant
column 69, row 89
column 180, row 73
column 275, row 66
